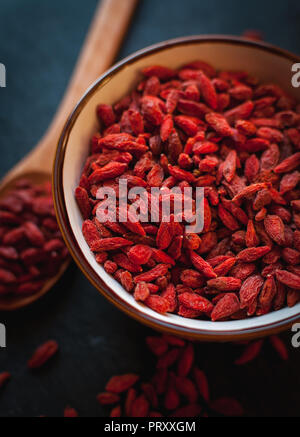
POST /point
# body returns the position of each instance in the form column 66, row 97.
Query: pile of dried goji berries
column 178, row 388
column 31, row 247
column 240, row 140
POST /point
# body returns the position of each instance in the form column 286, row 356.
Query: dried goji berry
column 120, row 383
column 225, row 283
column 107, row 398
column 227, row 407
column 279, row 346
column 42, row 354
column 195, row 302
column 4, row 377
column 157, row 303
column 288, row 278
column 141, row 291
column 250, row 290
column 202, row 383
column 250, row 352
column 225, row 307
column 70, row 412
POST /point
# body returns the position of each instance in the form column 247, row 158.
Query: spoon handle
column 100, row 48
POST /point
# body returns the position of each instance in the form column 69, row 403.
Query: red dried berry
column 196, row 302
column 116, row 412
column 275, row 228
column 288, row 278
column 186, row 361
column 141, row 291
column 106, row 114
column 253, row 253
column 120, row 383
column 225, row 307
column 42, row 354
column 219, row 123
column 82, row 198
column 279, row 346
column 157, row 303
column 227, row 407
column 172, row 398
column 225, row 283
column 157, row 345
column 140, row 407
column 250, row 289
column 107, row 398
column 4, row 377
column 201, row 265
column 250, row 352
column 70, row 412
column 202, row 383
column 130, row 397
column 151, row 275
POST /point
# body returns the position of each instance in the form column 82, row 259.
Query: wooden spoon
column 102, row 43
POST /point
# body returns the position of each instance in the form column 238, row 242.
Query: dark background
column 39, row 44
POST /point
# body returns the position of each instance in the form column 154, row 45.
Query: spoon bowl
column 14, row 301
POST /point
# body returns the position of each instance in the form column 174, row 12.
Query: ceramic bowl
column 268, row 63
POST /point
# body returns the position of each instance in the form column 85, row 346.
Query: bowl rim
column 63, row 219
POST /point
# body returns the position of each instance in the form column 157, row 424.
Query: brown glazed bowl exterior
column 268, row 63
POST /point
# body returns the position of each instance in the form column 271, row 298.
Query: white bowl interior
column 267, row 66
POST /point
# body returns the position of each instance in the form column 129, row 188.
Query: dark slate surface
column 39, row 44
